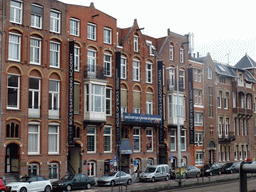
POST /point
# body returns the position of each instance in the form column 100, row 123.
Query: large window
column 54, row 54
column 97, row 98
column 136, row 139
column 36, row 16
column 199, row 139
column 14, row 47
column 53, row 170
column 33, row 169
column 198, row 119
column 149, row 103
column 76, row 58
column 183, row 140
column 54, row 95
column 199, row 158
column 173, row 140
column 13, row 91
column 107, row 139
column 220, row 126
column 16, row 12
column 149, row 72
column 33, row 139
column 136, row 101
column 53, row 140
column 108, row 101
column 123, row 67
column 136, row 70
column 55, row 17
column 226, row 100
column 91, row 31
column 91, row 61
column 35, row 51
column 171, row 78
column 74, row 26
column 91, row 139
column 76, row 98
column 176, row 107
column 107, row 35
column 182, row 79
column 149, row 142
column 34, row 95
column 107, row 64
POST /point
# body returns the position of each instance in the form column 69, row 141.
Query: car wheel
column 129, row 182
column 153, row 179
column 112, row 183
column 210, row 173
column 69, row 188
column 88, row 186
column 23, row 189
column 219, row 173
column 166, row 178
column 47, row 188
column 198, row 175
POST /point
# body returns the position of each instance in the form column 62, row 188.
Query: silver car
column 192, row 171
column 114, row 178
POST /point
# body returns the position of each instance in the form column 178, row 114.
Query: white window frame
column 107, row 65
column 34, row 49
column 54, row 113
column 236, row 153
column 199, row 158
column 199, row 139
column 226, row 126
column 36, row 151
column 196, row 97
column 53, row 166
column 16, row 88
column 91, row 31
column 198, row 119
column 110, row 138
column 91, row 61
column 136, row 70
column 95, row 137
column 181, row 55
column 195, row 75
column 149, row 107
column 55, row 134
column 35, row 24
column 93, row 94
column 89, row 170
column 123, row 67
column 74, row 27
column 107, row 35
column 199, row 75
column 150, row 134
column 171, row 77
column 171, row 52
column 183, row 137
column 182, row 76
column 137, row 134
column 55, row 53
column 76, row 58
column 32, row 109
column 219, row 99
column 209, row 73
column 33, row 166
column 109, row 99
column 55, row 21
column 226, row 100
column 136, row 43
column 149, row 72
column 234, row 100
column 16, row 11
column 220, row 126
column 18, row 47
column 173, row 136
column 200, row 97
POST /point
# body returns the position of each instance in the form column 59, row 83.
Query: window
column 171, row 52
column 16, row 12
column 36, row 16
column 54, row 95
column 199, row 139
column 107, row 35
column 107, row 65
column 14, row 47
column 55, row 21
column 240, row 80
column 12, row 130
column 136, row 139
column 91, row 61
column 199, row 75
column 34, row 96
column 209, row 73
column 220, row 126
column 182, row 55
column 74, row 26
column 173, row 140
column 149, row 107
column 182, row 79
column 91, row 31
column 33, row 139
column 171, row 78
column 219, row 99
column 242, row 103
column 53, row 171
column 198, row 119
column 200, row 97
column 97, row 98
column 196, row 96
column 195, row 75
column 136, row 101
column 123, row 67
column 91, row 140
column 136, row 43
column 236, row 152
column 199, row 159
column 53, row 140
column 183, row 140
column 108, row 101
column 248, row 101
column 13, row 91
column 149, row 72
column 107, row 139
column 76, row 58
column 136, row 70
column 76, row 98
column 222, row 79
column 54, row 54
column 210, row 101
column 234, row 100
column 227, row 127
column 91, row 169
column 35, row 51
column 226, row 100
column 33, row 170
column 149, row 142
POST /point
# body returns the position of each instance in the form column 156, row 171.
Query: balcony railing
column 97, row 73
column 226, row 136
column 173, row 86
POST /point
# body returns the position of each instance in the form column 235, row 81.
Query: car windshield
column 150, row 169
column 110, row 174
column 207, row 166
column 67, row 177
column 226, row 165
column 23, row 179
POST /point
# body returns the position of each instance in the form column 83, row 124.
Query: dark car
column 2, row 186
column 192, row 171
column 211, row 169
column 70, row 182
column 225, row 167
column 232, row 168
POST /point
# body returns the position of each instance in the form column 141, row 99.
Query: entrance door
column 125, row 163
column 12, row 158
column 74, row 159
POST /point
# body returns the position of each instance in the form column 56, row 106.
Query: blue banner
column 145, row 118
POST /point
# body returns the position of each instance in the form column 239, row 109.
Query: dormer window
column 136, row 43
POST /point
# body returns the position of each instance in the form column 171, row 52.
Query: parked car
column 225, row 166
column 155, row 172
column 76, row 181
column 30, row 184
column 232, row 168
column 2, row 186
column 192, row 171
column 211, row 169
column 114, row 178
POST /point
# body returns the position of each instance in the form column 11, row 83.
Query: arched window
column 33, row 169
column 12, row 130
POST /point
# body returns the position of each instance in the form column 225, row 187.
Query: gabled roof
column 249, row 77
column 246, row 63
column 225, row 70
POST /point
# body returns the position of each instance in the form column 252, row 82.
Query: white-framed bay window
column 13, row 91
column 16, row 11
column 14, row 47
column 53, row 138
column 136, row 139
column 54, row 99
column 33, row 138
column 35, row 50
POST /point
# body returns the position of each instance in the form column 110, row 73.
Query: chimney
column 197, row 54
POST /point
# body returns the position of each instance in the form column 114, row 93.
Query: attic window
column 136, row 43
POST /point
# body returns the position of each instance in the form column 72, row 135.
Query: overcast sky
column 225, row 28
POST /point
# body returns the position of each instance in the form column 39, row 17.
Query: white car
column 30, row 183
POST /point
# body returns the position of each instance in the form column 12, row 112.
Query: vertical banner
column 160, row 100
column 71, row 94
column 118, row 97
column 191, row 105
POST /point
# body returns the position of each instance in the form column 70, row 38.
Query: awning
column 125, row 147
